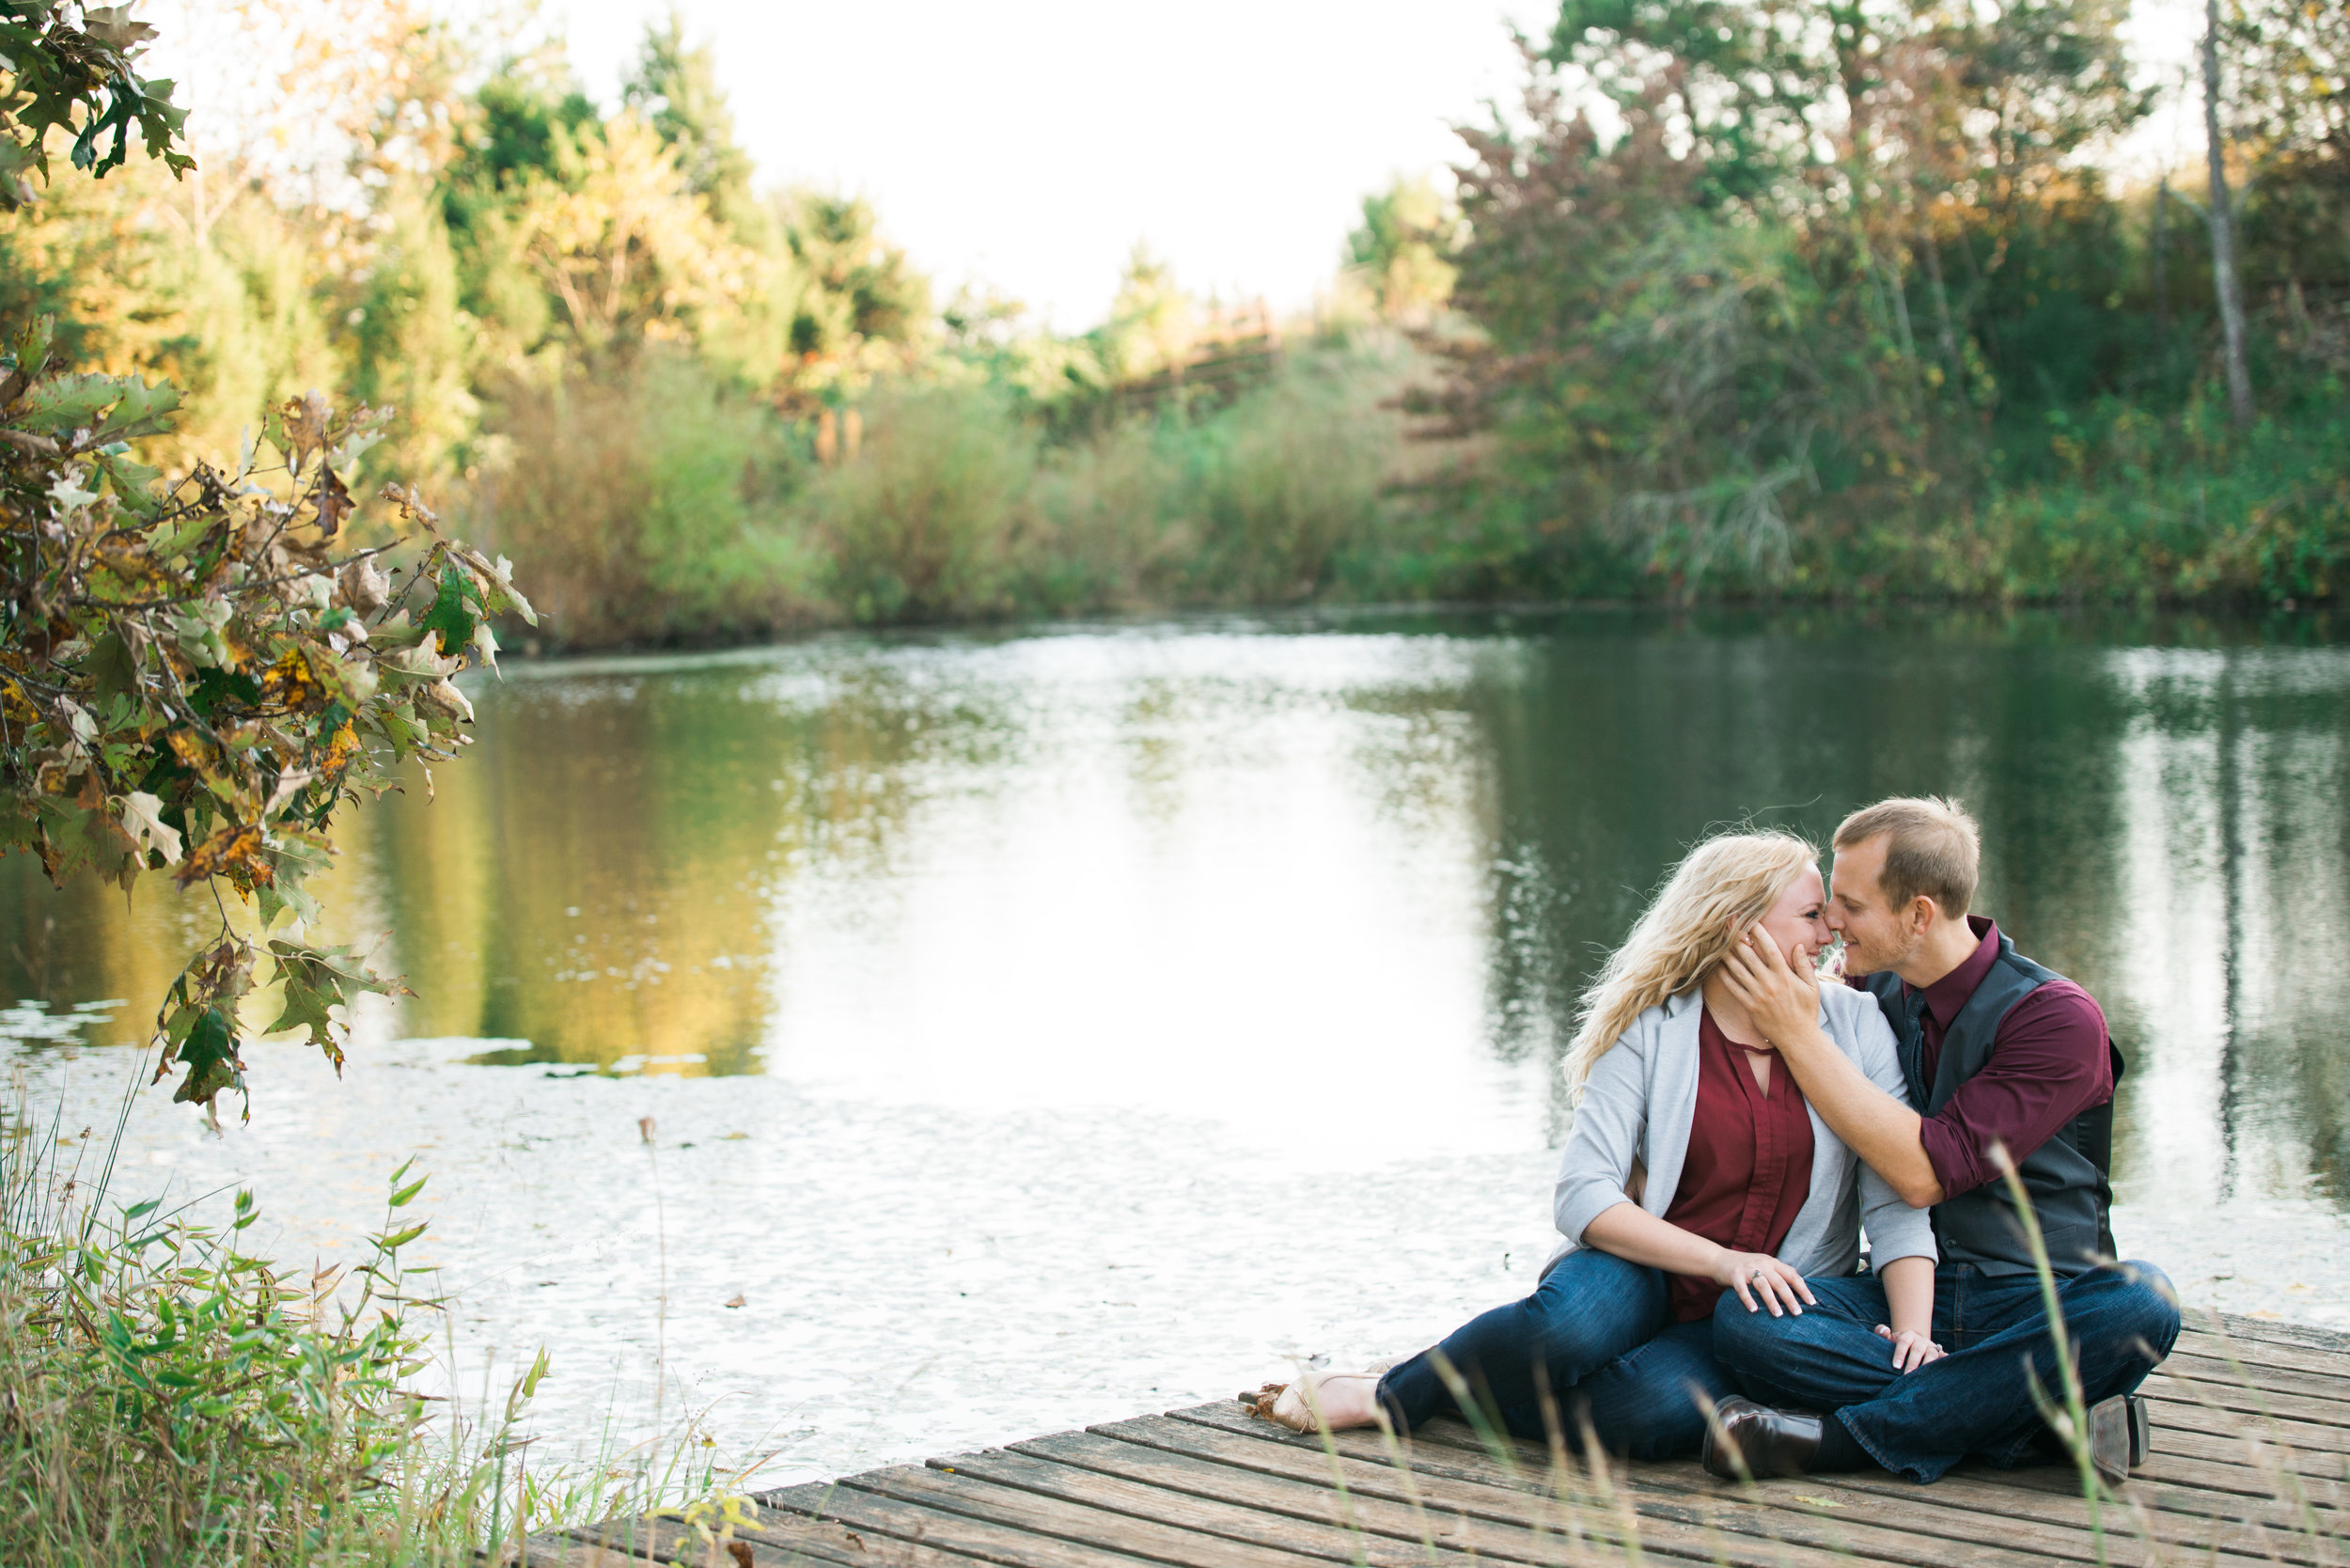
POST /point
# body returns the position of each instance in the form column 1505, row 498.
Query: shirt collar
column 1945, row 996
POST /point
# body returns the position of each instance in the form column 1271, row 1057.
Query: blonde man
column 2005, row 1062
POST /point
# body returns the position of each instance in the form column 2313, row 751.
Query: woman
column 1746, row 1191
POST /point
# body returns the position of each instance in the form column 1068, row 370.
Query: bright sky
column 1029, row 144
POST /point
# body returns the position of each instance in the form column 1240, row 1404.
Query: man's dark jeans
column 2120, row 1319
column 1599, row 1332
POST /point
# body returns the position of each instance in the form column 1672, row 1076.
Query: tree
column 2226, row 281
column 675, row 87
column 1405, row 246
column 196, row 673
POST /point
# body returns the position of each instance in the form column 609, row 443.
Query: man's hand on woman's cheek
column 1783, row 997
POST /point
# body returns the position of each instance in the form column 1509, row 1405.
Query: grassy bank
column 655, row 511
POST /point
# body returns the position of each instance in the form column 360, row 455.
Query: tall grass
column 167, row 1397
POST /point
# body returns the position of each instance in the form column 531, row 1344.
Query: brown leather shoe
column 1745, row 1441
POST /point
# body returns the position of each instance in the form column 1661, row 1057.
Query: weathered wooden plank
column 873, row 1514
column 1044, row 1517
column 2253, row 1447
column 2331, row 1387
column 776, row 1540
column 2328, row 1421
column 2307, row 1336
column 1301, row 1486
column 2178, row 1517
column 1057, row 1468
column 2285, row 1355
column 563, row 1551
column 2229, row 1423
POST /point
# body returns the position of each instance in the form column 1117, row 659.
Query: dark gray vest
column 2065, row 1177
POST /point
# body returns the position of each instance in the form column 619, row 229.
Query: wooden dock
column 2251, row 1467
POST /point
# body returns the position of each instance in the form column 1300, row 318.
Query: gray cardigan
column 1643, row 1095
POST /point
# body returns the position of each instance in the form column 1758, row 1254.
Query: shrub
column 643, row 503
column 920, row 522
column 1287, row 478
column 172, row 1398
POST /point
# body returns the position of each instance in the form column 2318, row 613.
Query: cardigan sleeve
column 1608, row 1127
column 1895, row 1229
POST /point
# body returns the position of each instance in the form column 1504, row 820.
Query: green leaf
column 141, row 411
column 67, row 402
column 113, row 669
column 406, row 1195
column 133, row 484
column 449, row 614
column 210, row 1054
column 318, row 979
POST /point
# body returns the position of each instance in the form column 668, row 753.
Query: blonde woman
column 1746, row 1190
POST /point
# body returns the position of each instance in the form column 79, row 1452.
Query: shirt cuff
column 1951, row 1154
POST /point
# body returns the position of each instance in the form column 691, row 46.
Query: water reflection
column 1192, row 867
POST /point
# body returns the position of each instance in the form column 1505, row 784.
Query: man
column 2007, row 1063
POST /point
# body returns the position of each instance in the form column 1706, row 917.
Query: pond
column 1037, row 1028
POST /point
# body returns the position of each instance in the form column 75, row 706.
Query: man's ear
column 1923, row 913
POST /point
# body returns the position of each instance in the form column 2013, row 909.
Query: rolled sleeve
column 2050, row 1062
column 1609, row 1126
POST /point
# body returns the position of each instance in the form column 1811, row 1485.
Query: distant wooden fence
column 1233, row 350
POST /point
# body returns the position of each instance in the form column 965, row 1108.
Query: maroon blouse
column 1749, row 1164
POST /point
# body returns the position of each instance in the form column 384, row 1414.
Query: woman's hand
column 1912, row 1349
column 1754, row 1275
column 1780, row 993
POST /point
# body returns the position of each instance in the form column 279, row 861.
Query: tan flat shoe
column 1304, row 1406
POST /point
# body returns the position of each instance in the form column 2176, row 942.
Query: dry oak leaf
column 237, row 848
column 305, row 419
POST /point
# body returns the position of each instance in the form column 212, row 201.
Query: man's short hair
column 1932, row 847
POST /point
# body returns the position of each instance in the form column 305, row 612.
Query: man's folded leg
column 1829, row 1356
column 2122, row 1319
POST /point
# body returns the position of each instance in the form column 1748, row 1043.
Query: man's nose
column 1835, row 921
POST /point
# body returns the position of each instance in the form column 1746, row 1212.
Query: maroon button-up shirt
column 1750, row 1163
column 2050, row 1060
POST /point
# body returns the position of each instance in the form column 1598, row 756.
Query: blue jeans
column 2120, row 1320
column 1598, row 1333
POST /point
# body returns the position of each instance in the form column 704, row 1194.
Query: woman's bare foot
column 1336, row 1400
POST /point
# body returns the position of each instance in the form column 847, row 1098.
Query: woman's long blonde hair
column 1716, row 893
